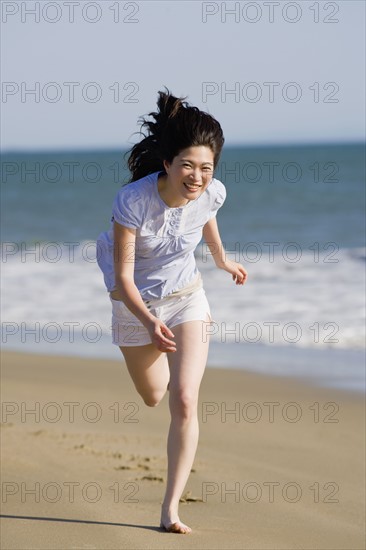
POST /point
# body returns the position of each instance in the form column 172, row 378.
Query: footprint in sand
column 188, row 497
column 151, row 477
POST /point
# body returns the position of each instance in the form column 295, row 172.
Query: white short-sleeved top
column 166, row 237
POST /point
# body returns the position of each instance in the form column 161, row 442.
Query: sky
column 79, row 74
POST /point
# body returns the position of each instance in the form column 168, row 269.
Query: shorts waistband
column 188, row 289
column 194, row 285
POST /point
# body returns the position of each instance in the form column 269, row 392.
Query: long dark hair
column 176, row 126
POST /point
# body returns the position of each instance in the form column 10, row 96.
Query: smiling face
column 188, row 175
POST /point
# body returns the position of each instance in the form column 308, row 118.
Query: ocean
column 294, row 217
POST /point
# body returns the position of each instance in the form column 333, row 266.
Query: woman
column 160, row 312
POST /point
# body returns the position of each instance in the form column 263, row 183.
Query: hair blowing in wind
column 176, row 125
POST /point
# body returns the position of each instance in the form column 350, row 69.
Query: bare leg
column 149, row 370
column 187, row 366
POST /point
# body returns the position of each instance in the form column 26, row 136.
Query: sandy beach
column 280, row 463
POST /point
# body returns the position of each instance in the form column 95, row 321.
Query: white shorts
column 127, row 330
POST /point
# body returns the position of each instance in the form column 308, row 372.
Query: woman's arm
column 212, row 237
column 124, row 264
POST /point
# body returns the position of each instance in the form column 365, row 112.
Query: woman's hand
column 160, row 335
column 238, row 272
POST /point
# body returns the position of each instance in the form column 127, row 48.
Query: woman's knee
column 183, row 403
column 152, row 398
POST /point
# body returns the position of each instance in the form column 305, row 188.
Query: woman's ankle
column 169, row 508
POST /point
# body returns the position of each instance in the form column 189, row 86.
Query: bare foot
column 175, row 527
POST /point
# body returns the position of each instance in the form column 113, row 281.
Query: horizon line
column 245, row 145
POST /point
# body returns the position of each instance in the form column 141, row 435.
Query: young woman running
column 160, row 313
